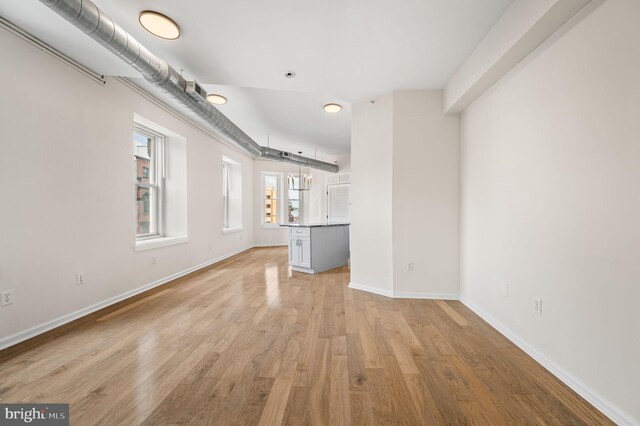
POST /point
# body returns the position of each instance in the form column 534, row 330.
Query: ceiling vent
column 196, row 91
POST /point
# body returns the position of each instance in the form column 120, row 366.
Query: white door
column 305, row 252
column 294, row 251
column 339, row 205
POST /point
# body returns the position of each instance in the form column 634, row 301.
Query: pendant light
column 304, row 181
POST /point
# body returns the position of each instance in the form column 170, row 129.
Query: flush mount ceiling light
column 159, row 25
column 332, row 108
column 216, row 99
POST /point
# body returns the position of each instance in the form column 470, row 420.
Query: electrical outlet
column 410, row 266
column 537, row 306
column 6, row 298
column 80, row 279
column 505, row 290
column 154, row 260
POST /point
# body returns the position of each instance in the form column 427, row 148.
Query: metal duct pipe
column 275, row 154
column 87, row 17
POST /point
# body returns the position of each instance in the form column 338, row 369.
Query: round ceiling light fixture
column 159, row 25
column 216, row 99
column 332, row 108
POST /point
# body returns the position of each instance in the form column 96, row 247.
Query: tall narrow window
column 271, row 185
column 160, row 157
column 294, row 201
column 225, row 194
column 149, row 151
column 231, row 195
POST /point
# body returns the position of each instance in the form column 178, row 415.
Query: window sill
column 226, row 231
column 154, row 243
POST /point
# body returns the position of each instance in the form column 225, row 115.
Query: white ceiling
column 341, row 50
column 286, row 120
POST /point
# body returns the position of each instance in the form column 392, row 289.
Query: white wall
column 518, row 32
column 370, row 192
column 67, row 191
column 405, row 196
column 426, row 214
column 550, row 203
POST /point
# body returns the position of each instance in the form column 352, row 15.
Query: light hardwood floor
column 244, row 343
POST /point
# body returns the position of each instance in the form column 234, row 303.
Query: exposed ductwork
column 86, row 16
column 275, row 154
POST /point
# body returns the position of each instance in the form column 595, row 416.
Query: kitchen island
column 318, row 248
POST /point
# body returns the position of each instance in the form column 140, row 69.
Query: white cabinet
column 300, row 251
column 294, row 251
column 316, row 248
column 338, row 203
column 305, row 252
column 335, row 179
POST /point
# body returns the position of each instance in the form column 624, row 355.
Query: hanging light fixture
column 303, row 183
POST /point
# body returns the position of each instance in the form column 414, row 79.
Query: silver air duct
column 275, row 154
column 86, row 16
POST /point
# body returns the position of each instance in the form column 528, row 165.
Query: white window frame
column 157, row 170
column 279, row 201
column 232, row 196
column 300, row 199
column 226, row 167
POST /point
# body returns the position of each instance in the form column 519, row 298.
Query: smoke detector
column 289, row 74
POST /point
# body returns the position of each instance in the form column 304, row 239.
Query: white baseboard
column 400, row 294
column 57, row 322
column 302, row 270
column 437, row 296
column 374, row 290
column 614, row 413
column 271, row 245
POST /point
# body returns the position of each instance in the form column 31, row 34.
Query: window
column 149, row 154
column 225, row 194
column 231, row 196
column 271, row 186
column 147, row 205
column 294, row 201
column 160, row 157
